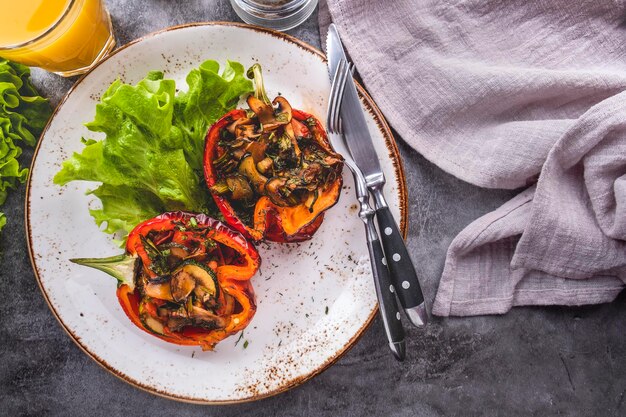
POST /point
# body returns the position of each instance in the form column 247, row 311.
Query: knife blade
column 355, row 127
column 359, row 143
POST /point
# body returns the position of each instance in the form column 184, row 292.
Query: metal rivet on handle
column 388, row 231
column 384, row 261
column 396, row 257
column 405, row 285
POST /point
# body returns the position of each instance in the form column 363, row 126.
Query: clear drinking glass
column 79, row 36
column 274, row 14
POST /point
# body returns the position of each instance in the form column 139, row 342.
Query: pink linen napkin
column 507, row 95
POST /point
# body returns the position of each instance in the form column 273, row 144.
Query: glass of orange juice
column 63, row 36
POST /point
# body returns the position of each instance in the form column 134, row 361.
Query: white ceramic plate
column 314, row 299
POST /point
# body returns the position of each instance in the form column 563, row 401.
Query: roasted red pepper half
column 271, row 169
column 185, row 278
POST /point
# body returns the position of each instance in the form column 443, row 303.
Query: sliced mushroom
column 239, row 143
column 273, row 191
column 204, row 318
column 181, row 313
column 239, row 187
column 178, row 251
column 205, row 296
column 195, row 316
column 257, row 150
column 239, row 148
column 182, row 284
column 247, row 168
column 246, row 131
column 284, row 109
column 311, row 172
column 175, row 324
column 265, row 112
column 265, row 165
column 191, row 275
column 175, row 254
column 242, row 121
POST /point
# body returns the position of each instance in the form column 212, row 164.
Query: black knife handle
column 387, row 304
column 403, row 273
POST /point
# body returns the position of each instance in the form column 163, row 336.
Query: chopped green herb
column 159, row 261
column 239, row 338
column 326, row 310
column 245, row 344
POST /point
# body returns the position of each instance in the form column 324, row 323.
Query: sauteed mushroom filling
column 179, row 285
column 271, row 153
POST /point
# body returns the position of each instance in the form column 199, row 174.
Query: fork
column 387, row 304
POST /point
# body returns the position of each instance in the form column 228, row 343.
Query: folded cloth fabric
column 507, row 95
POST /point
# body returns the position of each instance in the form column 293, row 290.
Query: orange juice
column 63, row 36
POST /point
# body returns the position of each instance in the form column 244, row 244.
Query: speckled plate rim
column 402, row 191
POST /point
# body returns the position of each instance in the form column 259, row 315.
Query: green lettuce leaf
column 151, row 158
column 23, row 115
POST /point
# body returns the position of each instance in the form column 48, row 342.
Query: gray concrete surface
column 532, row 361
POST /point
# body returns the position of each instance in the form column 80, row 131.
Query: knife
column 359, row 143
column 387, row 304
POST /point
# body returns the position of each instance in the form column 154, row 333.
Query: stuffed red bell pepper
column 270, row 168
column 185, row 278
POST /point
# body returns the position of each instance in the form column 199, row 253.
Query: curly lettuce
column 23, row 115
column 150, row 160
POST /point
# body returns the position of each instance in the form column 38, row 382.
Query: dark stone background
column 532, row 361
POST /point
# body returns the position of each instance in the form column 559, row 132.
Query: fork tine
column 331, row 97
column 340, row 82
column 346, row 71
column 332, row 108
column 332, row 101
